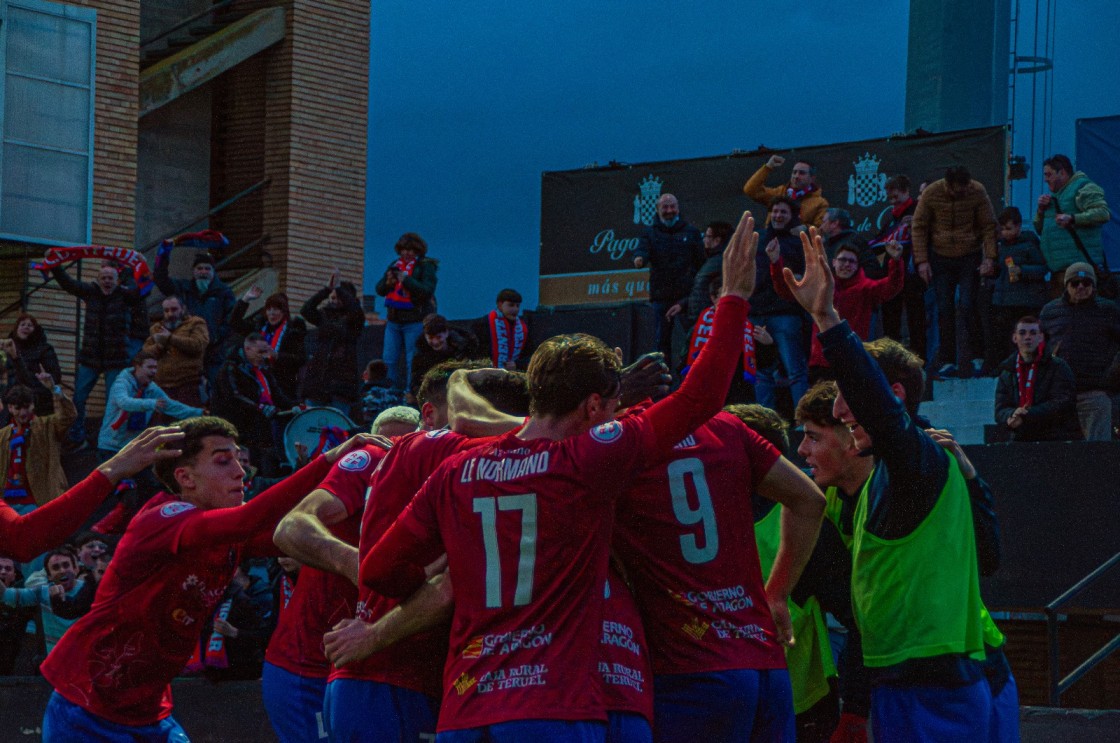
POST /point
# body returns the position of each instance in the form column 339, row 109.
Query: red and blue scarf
column 126, row 256
column 702, row 331
column 399, row 298
column 506, row 342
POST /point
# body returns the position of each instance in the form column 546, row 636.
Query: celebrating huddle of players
column 587, row 573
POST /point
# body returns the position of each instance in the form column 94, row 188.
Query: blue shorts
column 294, row 704
column 916, row 714
column 729, row 705
column 65, row 722
column 358, row 711
column 537, row 731
column 628, row 727
column 1005, row 714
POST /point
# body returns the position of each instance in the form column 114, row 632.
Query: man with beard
column 178, row 342
column 802, row 189
column 206, row 296
column 782, row 318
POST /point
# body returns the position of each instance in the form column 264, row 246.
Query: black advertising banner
column 591, row 219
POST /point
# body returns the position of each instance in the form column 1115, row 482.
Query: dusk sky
column 469, row 103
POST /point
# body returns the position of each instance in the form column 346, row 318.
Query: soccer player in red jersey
column 112, row 670
column 322, row 533
column 49, row 525
column 685, row 531
column 526, row 524
column 400, row 687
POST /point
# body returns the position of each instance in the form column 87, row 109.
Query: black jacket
column 33, row 352
column 214, row 305
column 673, row 255
column 333, row 368
column 1053, row 415
column 460, row 345
column 1086, row 336
column 237, row 399
column 290, row 355
column 421, row 286
column 108, row 318
column 765, row 300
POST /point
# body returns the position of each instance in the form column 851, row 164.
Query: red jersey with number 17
column 526, row 527
column 685, row 531
column 321, row 599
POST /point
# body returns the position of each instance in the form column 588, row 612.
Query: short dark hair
column 783, row 199
column 721, row 231
column 815, row 405
column 509, row 295
column 434, row 324
column 433, row 387
column 565, row 369
column 142, row 356
column 847, row 247
column 377, row 370
column 182, row 302
column 1027, row 320
column 254, row 337
column 765, row 422
column 898, row 183
column 65, row 550
column 1010, row 215
column 958, row 175
column 195, row 430
column 202, row 257
column 508, row 393
column 843, row 216
column 411, row 241
column 279, row 300
column 810, row 163
column 19, row 395
column 1059, row 162
column 901, row 365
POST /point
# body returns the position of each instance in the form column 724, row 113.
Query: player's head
column 432, row 394
column 828, row 446
column 396, row 421
column 575, row 373
column 903, row 370
column 207, row 473
column 765, row 422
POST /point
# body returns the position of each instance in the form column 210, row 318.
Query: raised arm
column 304, row 535
column 704, row 389
column 49, row 525
column 471, row 414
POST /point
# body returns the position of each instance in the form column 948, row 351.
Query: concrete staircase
column 964, row 406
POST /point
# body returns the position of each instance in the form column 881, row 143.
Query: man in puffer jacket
column 1074, row 205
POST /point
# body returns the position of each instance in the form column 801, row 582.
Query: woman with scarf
column 409, row 287
column 285, row 335
column 27, row 350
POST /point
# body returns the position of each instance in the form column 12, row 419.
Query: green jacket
column 1084, row 200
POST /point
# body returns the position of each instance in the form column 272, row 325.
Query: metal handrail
column 186, row 22
column 199, row 220
column 1059, row 686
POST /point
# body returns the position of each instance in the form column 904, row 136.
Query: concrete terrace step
column 964, row 406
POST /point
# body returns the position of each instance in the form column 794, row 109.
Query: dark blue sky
column 469, row 105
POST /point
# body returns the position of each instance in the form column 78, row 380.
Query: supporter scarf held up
column 208, row 239
column 506, row 343
column 399, row 298
column 702, row 331
column 125, row 256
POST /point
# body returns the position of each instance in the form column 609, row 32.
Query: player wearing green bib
column 915, row 580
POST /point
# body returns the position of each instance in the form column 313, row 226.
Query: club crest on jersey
column 355, row 461
column 438, row 432
column 607, row 433
column 174, row 508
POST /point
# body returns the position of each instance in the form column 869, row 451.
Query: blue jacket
column 123, row 402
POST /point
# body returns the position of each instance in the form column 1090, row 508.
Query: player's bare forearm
column 470, row 413
column 802, row 510
column 428, row 608
column 304, row 537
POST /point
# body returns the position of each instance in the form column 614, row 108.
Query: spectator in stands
column 396, row 421
column 673, row 251
column 836, row 228
column 716, row 237
column 29, row 353
column 1074, row 210
column 802, row 189
column 783, row 319
column 178, row 342
column 31, row 447
column 286, row 335
column 207, row 297
column 409, row 288
column 62, row 583
column 249, row 397
column 90, row 547
column 1036, row 396
column 140, row 321
column 954, row 235
column 12, row 620
column 1020, row 285
column 135, row 396
column 1084, row 330
column 332, row 372
column 503, row 334
column 439, row 342
column 856, row 295
column 377, row 392
column 912, row 297
column 104, row 348
column 239, row 630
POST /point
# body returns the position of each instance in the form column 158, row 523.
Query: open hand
column 648, row 376
column 253, row 293
column 44, row 377
column 738, row 259
column 152, row 445
column 351, row 640
column 817, row 286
